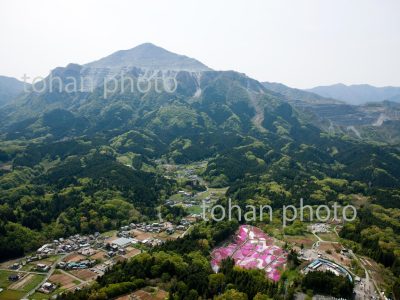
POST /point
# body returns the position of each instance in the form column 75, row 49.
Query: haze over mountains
column 358, row 94
column 9, row 89
column 375, row 121
column 331, row 108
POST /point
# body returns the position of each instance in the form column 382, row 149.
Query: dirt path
column 370, row 281
column 318, row 237
column 21, row 283
column 72, row 275
column 51, row 271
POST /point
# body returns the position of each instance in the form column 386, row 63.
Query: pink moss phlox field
column 251, row 249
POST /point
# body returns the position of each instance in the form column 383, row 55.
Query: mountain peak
column 149, row 56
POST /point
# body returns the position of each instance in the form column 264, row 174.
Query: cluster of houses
column 39, row 267
column 73, row 243
column 118, row 246
column 86, row 245
column 83, row 264
column 126, row 231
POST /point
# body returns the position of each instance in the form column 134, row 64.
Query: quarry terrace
column 251, row 249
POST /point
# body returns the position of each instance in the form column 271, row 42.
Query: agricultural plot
column 74, row 257
column 307, row 240
column 252, row 248
column 63, row 280
column 11, row 295
column 100, row 255
column 132, row 252
column 84, row 274
column 156, row 295
column 42, row 296
column 329, row 236
column 4, row 282
column 27, row 283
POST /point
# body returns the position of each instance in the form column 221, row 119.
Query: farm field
column 4, row 282
column 42, row 296
column 83, row 274
column 132, row 252
column 74, row 257
column 27, row 283
column 329, row 236
column 63, row 280
column 100, row 255
column 11, row 295
column 156, row 295
column 307, row 240
column 148, row 293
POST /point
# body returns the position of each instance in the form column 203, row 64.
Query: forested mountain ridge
column 61, row 152
column 10, row 88
column 357, row 93
column 378, row 121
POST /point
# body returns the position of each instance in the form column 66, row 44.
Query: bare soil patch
column 140, row 235
column 74, row 257
column 84, row 274
column 297, row 240
column 334, row 248
column 64, row 280
column 132, row 253
column 99, row 255
column 158, row 295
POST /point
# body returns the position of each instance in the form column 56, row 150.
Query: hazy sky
column 299, row 43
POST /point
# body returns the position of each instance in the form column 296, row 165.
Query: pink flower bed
column 252, row 249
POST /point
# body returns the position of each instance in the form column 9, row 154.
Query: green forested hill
column 62, row 173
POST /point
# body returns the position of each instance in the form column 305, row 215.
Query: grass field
column 39, row 296
column 195, row 209
column 307, row 240
column 11, row 295
column 33, row 282
column 27, row 267
column 4, row 282
column 329, row 236
column 177, row 197
column 109, row 234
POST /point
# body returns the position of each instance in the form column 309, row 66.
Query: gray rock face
column 149, row 56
